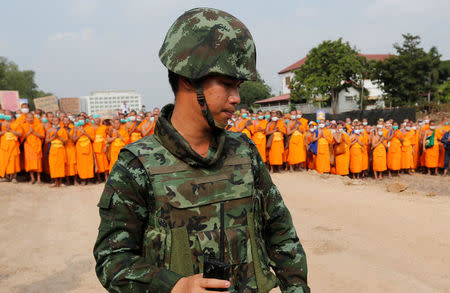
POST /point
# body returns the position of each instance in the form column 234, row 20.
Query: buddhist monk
column 259, row 134
column 296, row 146
column 99, row 147
column 324, row 140
column 408, row 142
column 244, row 124
column 232, row 124
column 394, row 155
column 83, row 136
column 342, row 161
column 379, row 146
column 303, row 121
column 10, row 134
column 356, row 152
column 311, row 146
column 275, row 131
column 71, row 156
column 56, row 138
column 431, row 148
column 34, row 135
column 446, row 142
column 117, row 137
column 131, row 126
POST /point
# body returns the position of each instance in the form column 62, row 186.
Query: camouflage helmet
column 206, row 41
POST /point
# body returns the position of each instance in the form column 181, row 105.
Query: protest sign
column 47, row 104
column 69, row 105
column 9, row 100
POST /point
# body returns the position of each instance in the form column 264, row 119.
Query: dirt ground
column 358, row 237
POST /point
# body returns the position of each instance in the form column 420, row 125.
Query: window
column 349, row 98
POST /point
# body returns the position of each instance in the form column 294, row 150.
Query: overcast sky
column 78, row 46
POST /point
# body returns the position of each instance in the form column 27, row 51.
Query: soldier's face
column 222, row 96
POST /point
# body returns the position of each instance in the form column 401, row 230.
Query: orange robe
column 71, row 155
column 245, row 130
column 117, row 145
column 33, row 147
column 343, row 160
column 99, row 147
column 135, row 135
column 323, row 163
column 407, row 150
column 9, row 150
column 277, row 147
column 440, row 133
column 45, row 166
column 259, row 137
column 425, row 128
column 356, row 156
column 432, row 154
column 379, row 158
column 394, row 155
column 303, row 124
column 297, row 150
column 365, row 151
column 416, row 148
column 57, row 155
column 146, row 126
column 85, row 154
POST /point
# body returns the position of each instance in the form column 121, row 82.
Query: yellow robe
column 57, row 154
column 85, row 154
column 33, row 147
column 9, row 150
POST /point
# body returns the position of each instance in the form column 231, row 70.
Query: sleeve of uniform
column 120, row 266
column 286, row 254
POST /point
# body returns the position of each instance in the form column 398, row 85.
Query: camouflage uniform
column 160, row 206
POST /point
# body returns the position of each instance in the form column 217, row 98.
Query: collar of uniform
column 172, row 140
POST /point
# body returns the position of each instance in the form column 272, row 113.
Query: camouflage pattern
column 160, row 216
column 206, row 41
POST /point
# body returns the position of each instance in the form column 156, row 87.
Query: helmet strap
column 205, row 109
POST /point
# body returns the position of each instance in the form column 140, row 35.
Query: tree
column 11, row 78
column 329, row 68
column 410, row 76
column 251, row 91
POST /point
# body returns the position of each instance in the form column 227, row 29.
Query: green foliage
column 444, row 70
column 331, row 67
column 409, row 76
column 443, row 92
column 11, row 78
column 251, row 91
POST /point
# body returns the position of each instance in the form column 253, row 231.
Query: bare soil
column 358, row 237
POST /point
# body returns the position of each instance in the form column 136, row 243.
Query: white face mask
column 364, row 123
column 333, row 130
column 25, row 110
column 432, row 127
column 152, row 119
column 341, row 130
column 299, row 116
column 311, row 129
column 132, row 118
column 414, row 127
column 426, row 121
column 321, row 125
column 408, row 128
column 274, row 119
column 356, row 131
column 380, row 133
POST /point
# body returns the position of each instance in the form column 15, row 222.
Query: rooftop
column 284, row 97
column 378, row 57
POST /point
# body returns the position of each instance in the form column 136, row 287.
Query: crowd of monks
column 66, row 148
column 72, row 149
column 291, row 142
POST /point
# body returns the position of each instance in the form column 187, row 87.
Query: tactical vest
column 184, row 221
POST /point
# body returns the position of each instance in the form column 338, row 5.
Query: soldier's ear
column 185, row 84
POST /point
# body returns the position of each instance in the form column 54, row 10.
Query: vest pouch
column 157, row 240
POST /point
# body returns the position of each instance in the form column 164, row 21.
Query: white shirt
column 124, row 108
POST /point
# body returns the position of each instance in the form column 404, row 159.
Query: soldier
column 161, row 206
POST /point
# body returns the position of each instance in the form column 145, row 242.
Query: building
column 110, row 100
column 347, row 100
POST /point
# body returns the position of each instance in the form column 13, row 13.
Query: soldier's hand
column 197, row 283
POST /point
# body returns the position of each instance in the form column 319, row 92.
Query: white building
column 347, row 100
column 110, row 100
